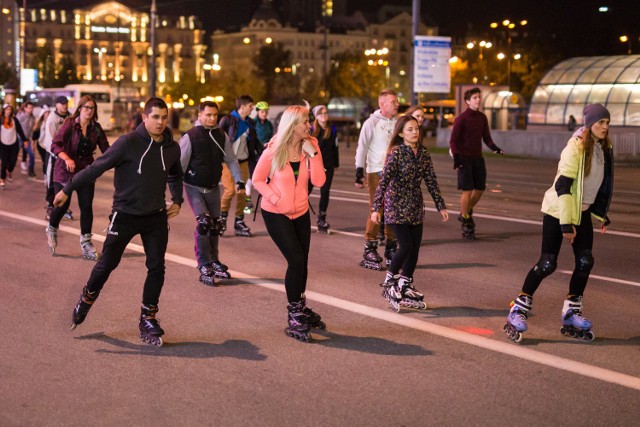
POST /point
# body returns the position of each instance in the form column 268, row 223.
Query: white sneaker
column 23, row 166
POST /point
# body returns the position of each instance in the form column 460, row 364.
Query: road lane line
column 510, row 349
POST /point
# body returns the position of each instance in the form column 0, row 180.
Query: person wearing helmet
column 264, row 130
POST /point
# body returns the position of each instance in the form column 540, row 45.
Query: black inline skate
column 468, row 227
column 313, row 319
column 207, row 274
column 323, row 225
column 150, row 330
column 380, row 236
column 390, row 250
column 220, row 270
column 222, row 223
column 298, row 327
column 391, row 291
column 411, row 298
column 371, row 259
column 241, row 228
column 83, row 306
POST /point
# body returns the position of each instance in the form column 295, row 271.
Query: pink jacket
column 284, row 194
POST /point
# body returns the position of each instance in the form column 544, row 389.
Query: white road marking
column 509, row 349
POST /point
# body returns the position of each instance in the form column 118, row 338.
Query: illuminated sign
column 115, row 30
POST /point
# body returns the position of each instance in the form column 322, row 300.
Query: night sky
column 574, row 27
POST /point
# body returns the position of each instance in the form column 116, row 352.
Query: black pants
column 48, row 178
column 292, row 237
column 551, row 243
column 154, row 231
column 406, row 257
column 85, row 202
column 324, row 190
column 8, row 157
column 43, row 157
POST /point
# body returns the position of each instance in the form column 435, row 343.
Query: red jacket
column 284, row 194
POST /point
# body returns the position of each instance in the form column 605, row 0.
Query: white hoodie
column 373, row 142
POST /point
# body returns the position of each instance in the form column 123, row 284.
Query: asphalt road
column 226, row 360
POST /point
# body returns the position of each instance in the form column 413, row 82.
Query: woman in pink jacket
column 292, row 159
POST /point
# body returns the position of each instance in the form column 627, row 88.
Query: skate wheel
column 320, row 325
column 589, row 336
column 518, row 337
column 73, row 326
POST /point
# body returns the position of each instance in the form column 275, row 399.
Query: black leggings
column 85, row 202
column 324, row 190
column 552, row 241
column 292, row 237
column 409, row 240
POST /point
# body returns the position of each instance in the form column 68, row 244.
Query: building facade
column 111, row 43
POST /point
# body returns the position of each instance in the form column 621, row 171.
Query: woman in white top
column 10, row 130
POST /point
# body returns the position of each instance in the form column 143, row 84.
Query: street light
column 507, row 25
column 626, row 39
column 483, row 44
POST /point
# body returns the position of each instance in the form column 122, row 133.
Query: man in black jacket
column 241, row 130
column 204, row 150
column 144, row 161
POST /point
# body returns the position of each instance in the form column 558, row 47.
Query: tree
column 350, row 76
column 7, row 75
column 65, row 73
column 273, row 67
column 50, row 74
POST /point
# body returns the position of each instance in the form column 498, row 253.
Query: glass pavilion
column 613, row 81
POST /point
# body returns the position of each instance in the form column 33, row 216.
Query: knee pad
column 584, row 261
column 217, row 226
column 204, row 224
column 546, row 265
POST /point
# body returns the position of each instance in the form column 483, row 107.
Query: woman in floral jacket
column 408, row 163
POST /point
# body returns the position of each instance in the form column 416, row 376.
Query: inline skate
column 220, row 270
column 222, row 223
column 390, row 250
column 206, row 275
column 574, row 325
column 83, row 306
column 380, row 236
column 88, row 250
column 241, row 228
column 298, row 326
column 391, row 291
column 371, row 259
column 468, row 227
column 517, row 318
column 52, row 238
column 313, row 319
column 68, row 215
column 411, row 298
column 323, row 225
column 150, row 330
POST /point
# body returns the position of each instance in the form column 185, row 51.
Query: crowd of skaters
column 284, row 165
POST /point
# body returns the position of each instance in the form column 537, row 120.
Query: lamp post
column 152, row 71
column 627, row 40
column 507, row 25
column 483, row 44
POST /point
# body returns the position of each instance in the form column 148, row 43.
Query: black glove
column 360, row 176
column 497, row 150
column 457, row 161
column 240, row 185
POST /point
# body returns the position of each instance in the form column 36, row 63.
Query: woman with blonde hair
column 290, row 161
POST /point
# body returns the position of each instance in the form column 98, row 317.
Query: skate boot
column 391, row 291
column 371, row 258
column 150, row 330
column 574, row 325
column 68, row 215
column 411, row 298
column 390, row 250
column 297, row 326
column 468, row 227
column 223, row 222
column 220, row 270
column 83, row 306
column 52, row 238
column 88, row 250
column 206, row 275
column 323, row 225
column 23, row 168
column 313, row 319
column 517, row 318
column 47, row 212
column 241, row 228
column 248, row 209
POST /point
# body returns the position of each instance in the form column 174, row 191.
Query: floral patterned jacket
column 399, row 190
